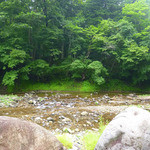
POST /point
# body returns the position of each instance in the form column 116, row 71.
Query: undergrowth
column 71, row 85
column 91, row 138
column 66, row 140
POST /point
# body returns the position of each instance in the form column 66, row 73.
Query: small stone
column 38, row 120
column 66, row 120
column 61, row 117
column 88, row 122
column 58, row 130
column 53, row 114
column 76, row 130
column 84, row 113
column 31, row 102
column 50, row 119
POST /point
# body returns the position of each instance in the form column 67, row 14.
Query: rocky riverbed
column 73, row 113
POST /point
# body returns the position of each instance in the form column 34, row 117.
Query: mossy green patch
column 57, row 85
column 66, row 140
column 7, row 99
column 90, row 140
column 71, row 85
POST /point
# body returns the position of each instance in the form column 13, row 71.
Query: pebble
column 38, row 120
column 84, row 113
column 66, row 120
column 31, row 102
column 88, row 122
column 77, row 130
column 61, row 117
column 50, row 119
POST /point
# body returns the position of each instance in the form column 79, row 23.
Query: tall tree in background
column 44, row 39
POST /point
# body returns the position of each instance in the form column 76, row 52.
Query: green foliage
column 86, row 86
column 16, row 57
column 10, row 77
column 65, row 140
column 78, row 68
column 39, row 68
column 102, row 125
column 133, row 55
column 137, row 13
column 90, row 140
column 97, row 70
column 118, row 85
column 45, row 40
column 7, row 99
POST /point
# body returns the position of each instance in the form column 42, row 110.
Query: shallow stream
column 73, row 111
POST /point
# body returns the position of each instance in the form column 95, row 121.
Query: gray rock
column 17, row 134
column 50, row 119
column 130, row 130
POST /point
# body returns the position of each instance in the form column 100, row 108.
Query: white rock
column 130, row 130
column 38, row 120
column 66, row 120
column 84, row 113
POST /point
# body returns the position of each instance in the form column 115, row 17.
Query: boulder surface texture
column 17, row 134
column 129, row 130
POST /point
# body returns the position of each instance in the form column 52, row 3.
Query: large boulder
column 130, row 130
column 17, row 134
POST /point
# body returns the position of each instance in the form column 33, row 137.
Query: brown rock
column 17, row 134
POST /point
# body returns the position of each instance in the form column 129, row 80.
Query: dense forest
column 80, row 40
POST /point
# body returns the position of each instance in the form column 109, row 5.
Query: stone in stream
column 38, row 120
column 50, row 119
column 130, row 130
column 84, row 113
column 66, row 120
column 17, row 134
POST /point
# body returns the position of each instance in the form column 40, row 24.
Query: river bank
column 70, row 85
column 73, row 113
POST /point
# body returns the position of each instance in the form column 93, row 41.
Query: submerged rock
column 130, row 130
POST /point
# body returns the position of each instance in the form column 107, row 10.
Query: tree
column 137, row 13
